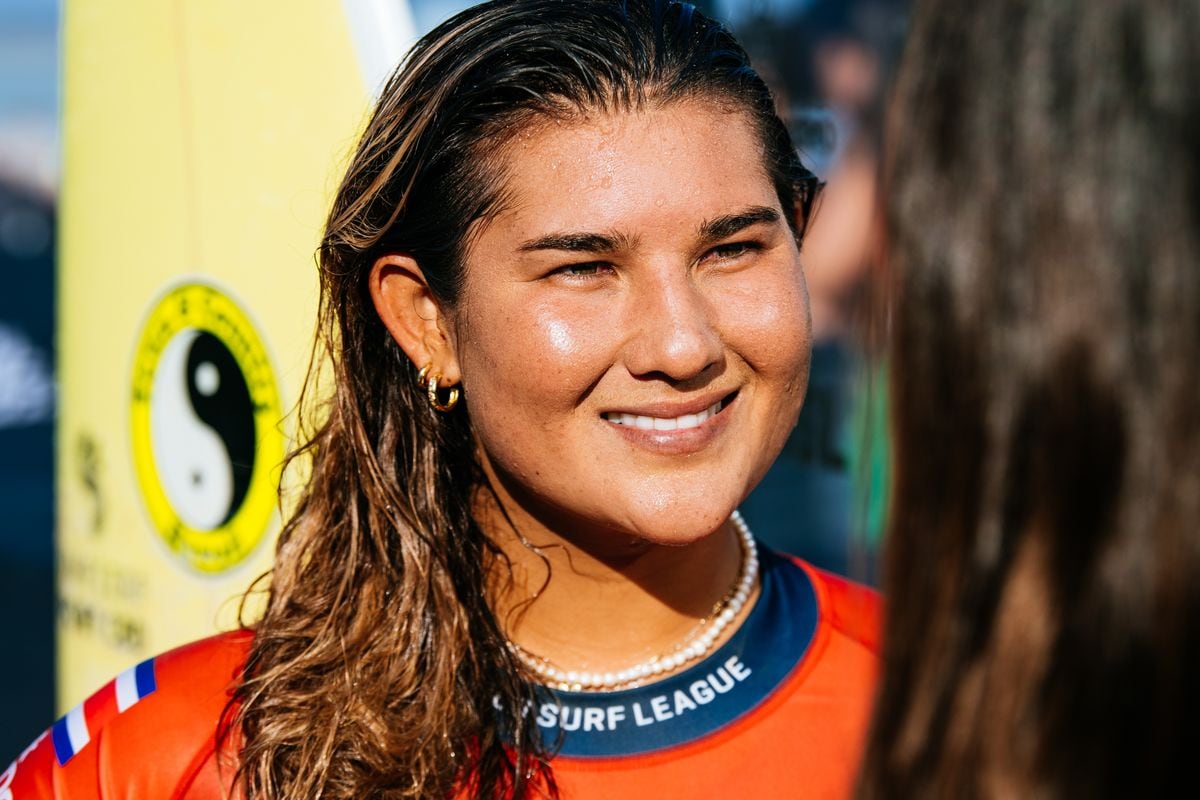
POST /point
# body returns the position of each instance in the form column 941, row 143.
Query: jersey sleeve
column 151, row 732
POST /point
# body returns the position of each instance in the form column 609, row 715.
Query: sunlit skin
column 642, row 266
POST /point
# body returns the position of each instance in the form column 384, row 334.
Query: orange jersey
column 150, row 733
column 778, row 711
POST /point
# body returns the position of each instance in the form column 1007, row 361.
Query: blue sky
column 29, row 92
column 28, row 57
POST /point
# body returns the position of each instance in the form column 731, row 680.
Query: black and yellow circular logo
column 205, row 417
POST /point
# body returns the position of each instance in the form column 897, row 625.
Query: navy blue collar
column 707, row 696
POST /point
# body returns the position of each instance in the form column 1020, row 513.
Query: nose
column 674, row 330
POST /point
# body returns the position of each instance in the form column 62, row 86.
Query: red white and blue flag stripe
column 73, row 732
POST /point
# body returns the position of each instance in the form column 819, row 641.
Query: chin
column 678, row 523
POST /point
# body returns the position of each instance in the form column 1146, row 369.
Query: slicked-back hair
column 379, row 669
column 1043, row 558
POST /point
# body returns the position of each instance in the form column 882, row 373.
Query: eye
column 587, row 270
column 733, row 251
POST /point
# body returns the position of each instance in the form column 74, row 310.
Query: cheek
column 771, row 327
column 529, row 359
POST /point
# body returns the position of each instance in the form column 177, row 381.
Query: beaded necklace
column 697, row 644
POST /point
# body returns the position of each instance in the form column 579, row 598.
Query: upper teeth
column 663, row 423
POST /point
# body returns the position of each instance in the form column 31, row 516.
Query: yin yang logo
column 205, row 427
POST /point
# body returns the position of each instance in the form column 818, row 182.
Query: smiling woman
column 567, row 322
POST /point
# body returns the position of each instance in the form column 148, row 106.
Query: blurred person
column 852, row 48
column 830, row 64
column 1043, row 562
column 567, row 331
column 824, row 499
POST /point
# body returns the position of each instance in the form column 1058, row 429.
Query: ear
column 413, row 316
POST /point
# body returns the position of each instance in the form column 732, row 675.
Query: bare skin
column 642, row 269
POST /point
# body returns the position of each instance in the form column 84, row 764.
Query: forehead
column 671, row 165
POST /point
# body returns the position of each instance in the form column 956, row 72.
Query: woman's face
column 633, row 334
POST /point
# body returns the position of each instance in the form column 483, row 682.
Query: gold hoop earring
column 431, row 389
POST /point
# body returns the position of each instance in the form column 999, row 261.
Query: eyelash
column 584, row 271
column 734, row 250
column 593, row 270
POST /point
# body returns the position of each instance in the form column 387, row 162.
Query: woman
column 568, row 332
column 1044, row 209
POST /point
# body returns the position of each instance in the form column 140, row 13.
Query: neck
column 602, row 601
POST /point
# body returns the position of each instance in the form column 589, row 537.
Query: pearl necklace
column 696, row 645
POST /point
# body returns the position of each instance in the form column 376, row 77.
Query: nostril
column 676, row 336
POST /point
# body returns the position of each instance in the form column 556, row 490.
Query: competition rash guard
column 779, row 711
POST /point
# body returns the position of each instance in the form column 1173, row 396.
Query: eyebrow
column 710, row 231
column 576, row 243
column 723, row 227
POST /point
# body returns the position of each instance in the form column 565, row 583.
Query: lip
column 672, row 410
column 676, row 441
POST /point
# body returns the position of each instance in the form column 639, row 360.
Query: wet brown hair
column 378, row 669
column 1043, row 561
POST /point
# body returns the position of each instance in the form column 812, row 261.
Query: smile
column 663, row 423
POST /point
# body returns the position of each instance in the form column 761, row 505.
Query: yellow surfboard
column 202, row 141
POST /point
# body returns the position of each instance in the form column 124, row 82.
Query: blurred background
column 830, row 63
column 28, row 185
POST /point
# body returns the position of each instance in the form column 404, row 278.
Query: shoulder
column 841, row 607
column 851, row 609
column 150, row 732
column 823, row 711
column 208, row 668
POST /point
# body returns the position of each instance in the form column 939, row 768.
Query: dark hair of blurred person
column 1043, row 561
